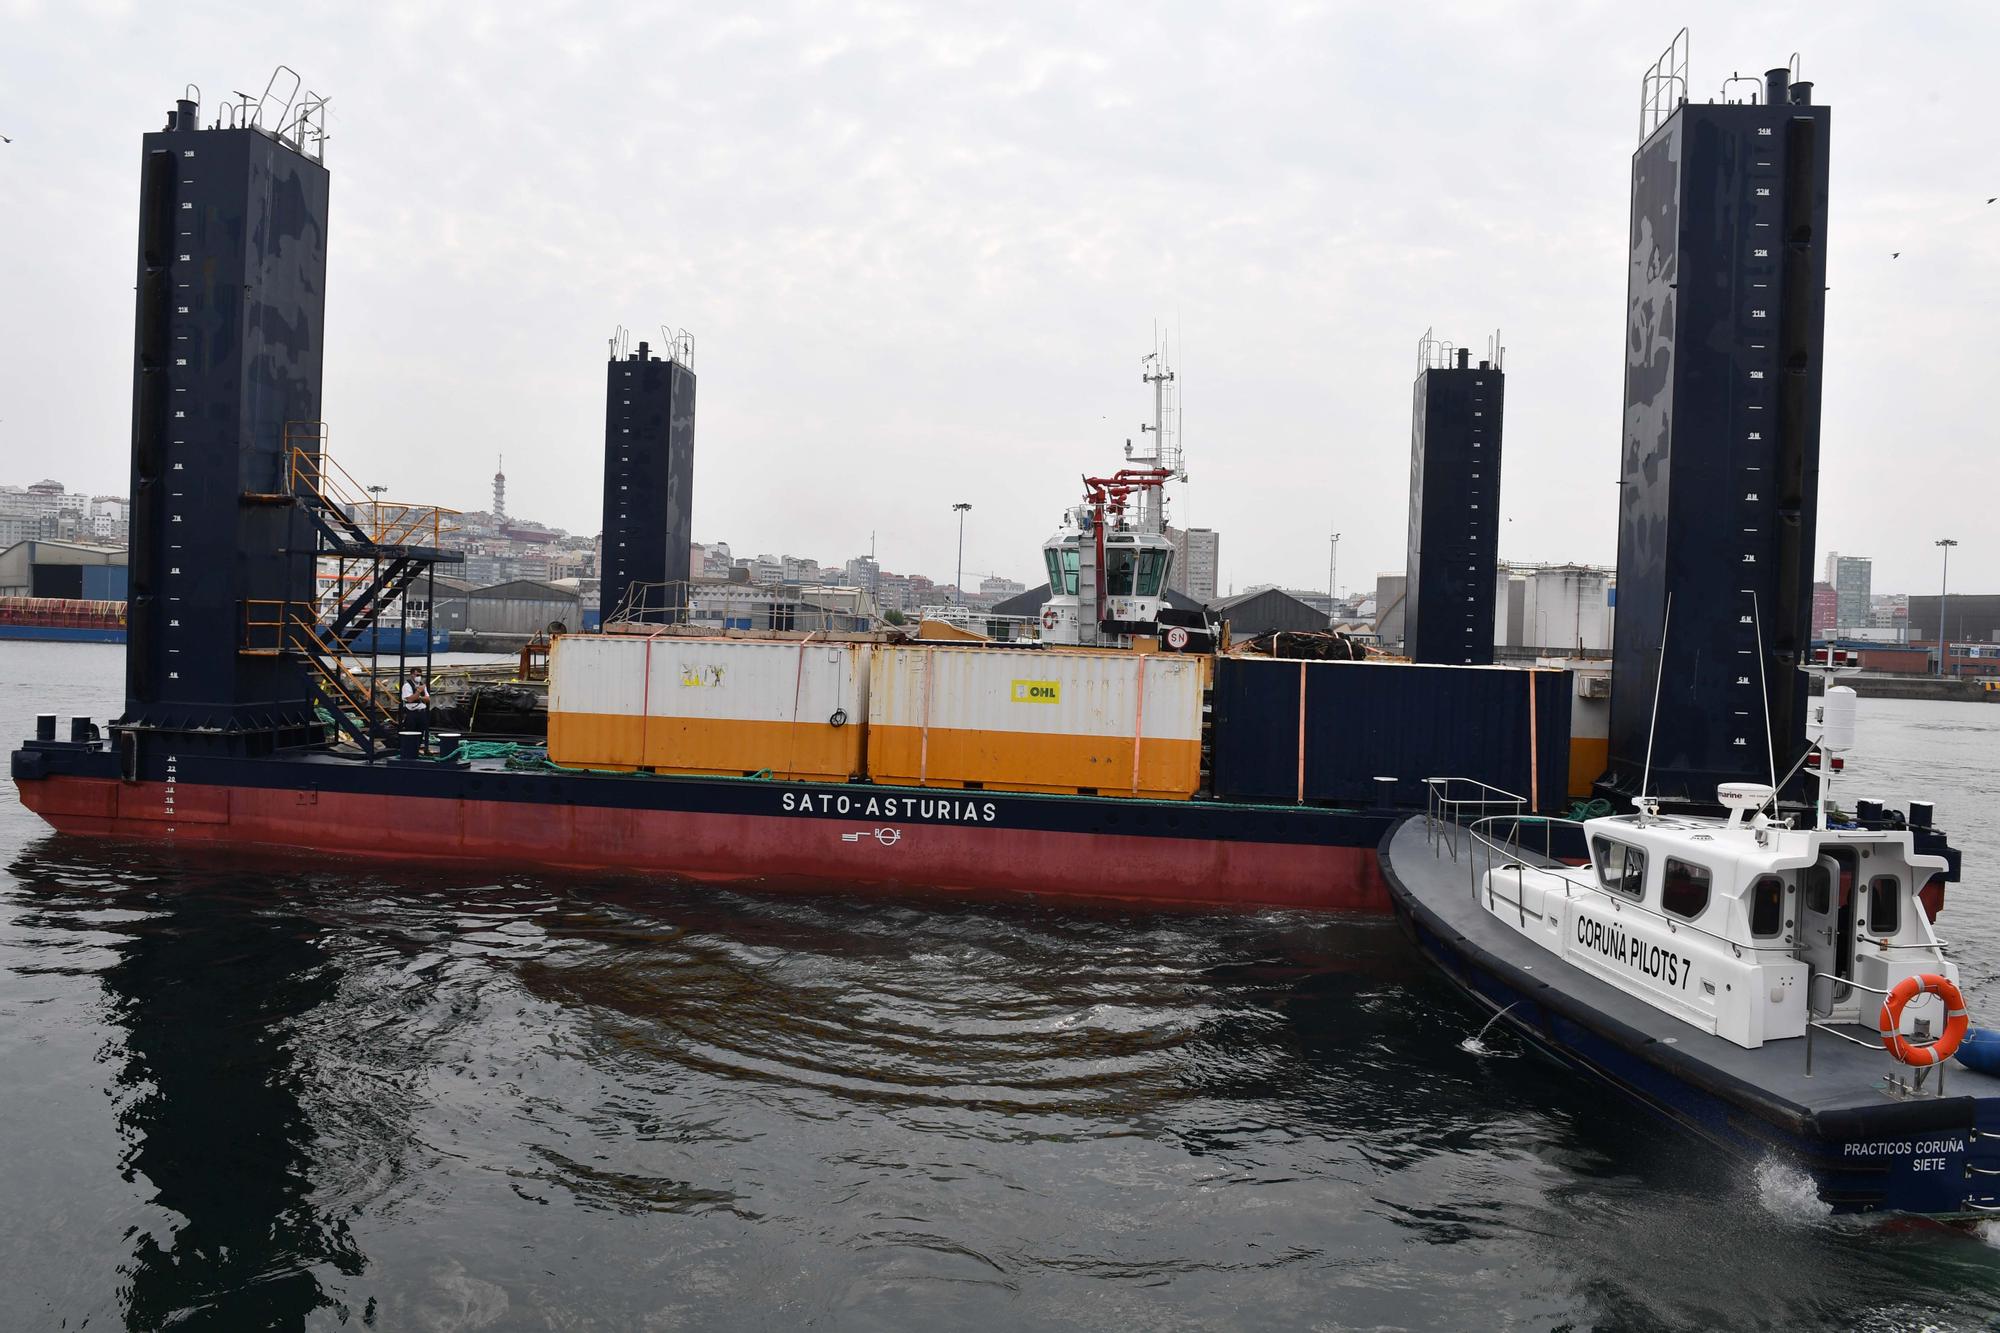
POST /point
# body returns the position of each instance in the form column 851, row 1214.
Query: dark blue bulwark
column 648, row 485
column 1367, row 720
column 1720, row 467
column 231, row 308
column 1454, row 537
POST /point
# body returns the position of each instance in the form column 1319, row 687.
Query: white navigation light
column 1744, row 798
column 1837, row 719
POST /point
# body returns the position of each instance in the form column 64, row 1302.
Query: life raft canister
column 1049, row 618
column 1955, row 1021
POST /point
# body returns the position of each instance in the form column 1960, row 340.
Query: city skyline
column 101, row 520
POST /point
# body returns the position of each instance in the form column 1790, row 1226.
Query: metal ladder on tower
column 370, row 551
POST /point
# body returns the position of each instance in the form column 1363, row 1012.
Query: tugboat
column 1775, row 984
column 1108, row 564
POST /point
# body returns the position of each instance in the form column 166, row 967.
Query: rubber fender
column 1981, row 1050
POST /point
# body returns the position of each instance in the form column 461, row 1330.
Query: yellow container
column 1013, row 719
column 794, row 708
column 1589, row 725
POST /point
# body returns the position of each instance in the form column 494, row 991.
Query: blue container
column 1369, row 720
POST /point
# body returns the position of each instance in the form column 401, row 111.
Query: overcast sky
column 922, row 248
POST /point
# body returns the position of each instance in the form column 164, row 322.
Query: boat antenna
column 1764, row 688
column 1180, row 410
column 1653, row 723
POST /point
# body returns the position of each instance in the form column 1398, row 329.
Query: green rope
column 1589, row 809
column 535, row 759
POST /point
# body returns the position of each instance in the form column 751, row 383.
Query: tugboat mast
column 1160, row 445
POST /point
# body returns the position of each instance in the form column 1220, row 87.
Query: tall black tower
column 648, row 483
column 1720, row 470
column 231, row 305
column 1454, row 507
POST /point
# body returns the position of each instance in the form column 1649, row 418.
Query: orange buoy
column 1955, row 1020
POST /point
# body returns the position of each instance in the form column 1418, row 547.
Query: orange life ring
column 1955, row 1020
column 1049, row 618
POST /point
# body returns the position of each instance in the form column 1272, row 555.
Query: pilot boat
column 1776, row 985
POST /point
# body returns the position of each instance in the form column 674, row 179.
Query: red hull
column 772, row 851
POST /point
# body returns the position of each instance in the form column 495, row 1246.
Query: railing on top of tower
column 1434, row 353
column 297, row 122
column 1759, row 84
column 677, row 343
column 1664, row 86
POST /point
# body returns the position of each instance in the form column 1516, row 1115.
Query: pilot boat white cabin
column 1742, row 927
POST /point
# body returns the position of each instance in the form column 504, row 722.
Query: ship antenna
column 1653, row 723
column 1180, row 409
column 1764, row 688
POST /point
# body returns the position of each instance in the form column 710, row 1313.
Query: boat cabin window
column 1885, row 905
column 1062, row 570
column 1152, row 571
column 1120, row 564
column 1767, row 906
column 1684, row 888
column 1621, row 869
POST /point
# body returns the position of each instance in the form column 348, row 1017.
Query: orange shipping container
column 1014, row 719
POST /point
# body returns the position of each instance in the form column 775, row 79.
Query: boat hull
column 1905, row 1157
column 64, row 633
column 792, row 836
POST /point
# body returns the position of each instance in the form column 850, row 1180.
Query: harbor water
column 263, row 1091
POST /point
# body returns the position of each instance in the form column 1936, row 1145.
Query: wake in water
column 1788, row 1193
column 1476, row 1045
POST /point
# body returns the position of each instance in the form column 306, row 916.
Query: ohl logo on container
column 1037, row 692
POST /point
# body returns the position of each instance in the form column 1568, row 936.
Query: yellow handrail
column 364, row 695
column 312, row 471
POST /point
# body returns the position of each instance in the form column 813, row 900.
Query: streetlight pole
column 959, row 582
column 1944, row 581
column 1332, row 562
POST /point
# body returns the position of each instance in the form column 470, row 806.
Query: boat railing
column 1454, row 802
column 978, row 621
column 1507, row 839
column 1506, row 850
column 1824, row 1022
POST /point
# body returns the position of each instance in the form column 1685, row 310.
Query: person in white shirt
column 417, row 703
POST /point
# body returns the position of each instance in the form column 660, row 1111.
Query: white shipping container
column 795, row 707
column 1038, row 691
column 1036, row 720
